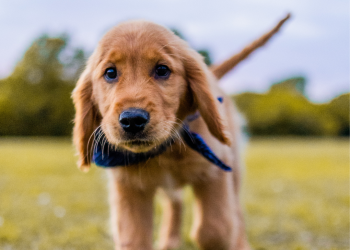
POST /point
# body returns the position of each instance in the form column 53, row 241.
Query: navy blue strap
column 106, row 156
column 196, row 142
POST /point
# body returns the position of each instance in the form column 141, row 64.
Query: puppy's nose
column 133, row 120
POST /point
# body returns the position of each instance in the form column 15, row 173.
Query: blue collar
column 106, row 156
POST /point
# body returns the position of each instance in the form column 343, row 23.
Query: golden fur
column 135, row 48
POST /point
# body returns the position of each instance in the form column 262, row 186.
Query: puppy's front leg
column 170, row 233
column 214, row 225
column 131, row 215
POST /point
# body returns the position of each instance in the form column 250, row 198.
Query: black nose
column 133, row 120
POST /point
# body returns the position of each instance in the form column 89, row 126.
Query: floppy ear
column 198, row 78
column 85, row 120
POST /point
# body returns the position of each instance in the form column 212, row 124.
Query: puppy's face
column 139, row 85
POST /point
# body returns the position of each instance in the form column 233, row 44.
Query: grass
column 296, row 196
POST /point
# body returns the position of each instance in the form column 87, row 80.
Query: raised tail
column 221, row 69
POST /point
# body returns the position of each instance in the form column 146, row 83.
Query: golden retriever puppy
column 150, row 111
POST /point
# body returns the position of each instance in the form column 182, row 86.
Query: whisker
column 87, row 146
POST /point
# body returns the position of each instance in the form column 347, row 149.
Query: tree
column 35, row 98
column 284, row 110
column 339, row 108
column 297, row 83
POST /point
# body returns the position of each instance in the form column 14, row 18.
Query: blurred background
column 293, row 92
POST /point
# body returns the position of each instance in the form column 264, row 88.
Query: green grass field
column 295, row 193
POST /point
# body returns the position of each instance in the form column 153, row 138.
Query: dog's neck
column 105, row 155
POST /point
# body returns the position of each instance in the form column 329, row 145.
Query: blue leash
column 105, row 156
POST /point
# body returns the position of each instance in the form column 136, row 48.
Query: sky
column 314, row 43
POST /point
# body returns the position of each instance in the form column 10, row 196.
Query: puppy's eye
column 162, row 71
column 111, row 74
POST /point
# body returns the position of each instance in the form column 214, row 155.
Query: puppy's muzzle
column 133, row 120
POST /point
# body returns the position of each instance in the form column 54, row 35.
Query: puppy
column 150, row 111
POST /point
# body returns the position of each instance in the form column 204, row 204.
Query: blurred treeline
column 285, row 110
column 35, row 98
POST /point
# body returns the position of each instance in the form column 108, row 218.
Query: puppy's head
column 139, row 85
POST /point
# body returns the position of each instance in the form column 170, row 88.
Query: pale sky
column 314, row 43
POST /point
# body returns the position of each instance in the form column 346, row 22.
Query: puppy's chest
column 179, row 166
column 172, row 169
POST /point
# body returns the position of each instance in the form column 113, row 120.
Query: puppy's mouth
column 137, row 146
column 138, row 143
